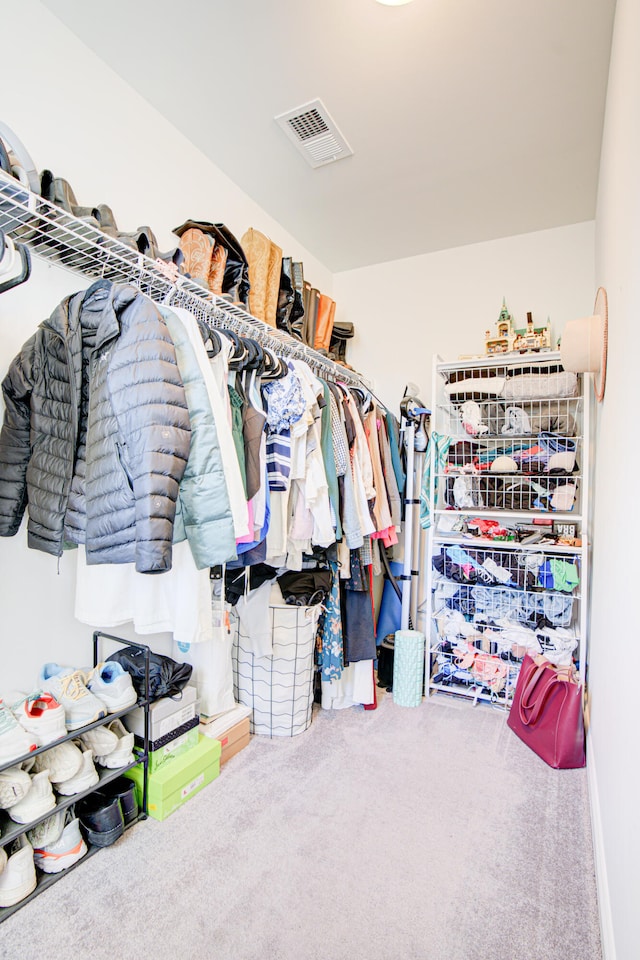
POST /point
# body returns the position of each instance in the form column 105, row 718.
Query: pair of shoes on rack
column 59, row 191
column 87, row 696
column 57, row 842
column 106, row 812
column 18, row 877
column 56, row 846
column 15, row 742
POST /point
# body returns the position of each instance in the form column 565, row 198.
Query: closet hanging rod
column 54, row 235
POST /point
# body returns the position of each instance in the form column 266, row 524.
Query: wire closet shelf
column 60, row 238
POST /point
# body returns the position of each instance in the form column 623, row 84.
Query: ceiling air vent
column 314, row 133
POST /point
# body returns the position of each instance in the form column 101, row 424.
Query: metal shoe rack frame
column 9, row 830
column 57, row 236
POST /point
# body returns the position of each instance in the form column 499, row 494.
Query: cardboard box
column 180, row 779
column 231, row 747
column 232, row 740
column 165, row 715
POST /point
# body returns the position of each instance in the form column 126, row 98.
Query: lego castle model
column 508, row 339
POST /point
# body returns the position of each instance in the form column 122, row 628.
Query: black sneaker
column 101, row 818
column 124, row 790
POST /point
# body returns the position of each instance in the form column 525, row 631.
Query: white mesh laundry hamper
column 278, row 688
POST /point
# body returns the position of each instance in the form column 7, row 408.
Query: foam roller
column 408, row 668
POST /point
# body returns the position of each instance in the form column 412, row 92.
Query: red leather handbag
column 547, row 715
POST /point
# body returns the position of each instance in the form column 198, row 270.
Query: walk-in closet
column 317, row 343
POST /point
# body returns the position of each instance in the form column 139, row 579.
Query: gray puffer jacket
column 96, row 431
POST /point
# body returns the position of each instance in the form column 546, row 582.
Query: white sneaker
column 14, row 785
column 41, row 715
column 112, row 685
column 18, row 879
column 3, row 859
column 14, row 741
column 100, row 740
column 87, row 776
column 61, row 853
column 47, row 831
column 123, row 753
column 67, row 686
column 63, row 761
column 39, row 800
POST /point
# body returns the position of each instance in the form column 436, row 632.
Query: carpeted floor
column 395, row 834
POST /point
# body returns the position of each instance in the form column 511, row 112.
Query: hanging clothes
column 357, row 614
column 331, row 656
column 203, row 510
column 216, row 390
column 124, row 507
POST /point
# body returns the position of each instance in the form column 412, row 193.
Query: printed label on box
column 192, row 786
column 173, row 745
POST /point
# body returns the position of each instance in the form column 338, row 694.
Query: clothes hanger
column 239, row 353
column 15, row 263
column 211, row 339
column 277, row 367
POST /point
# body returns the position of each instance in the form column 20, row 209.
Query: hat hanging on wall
column 583, row 346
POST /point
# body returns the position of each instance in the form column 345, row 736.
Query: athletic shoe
column 100, row 740
column 47, row 831
column 62, row 761
column 86, row 777
column 123, row 753
column 112, row 685
column 101, row 818
column 18, row 879
column 67, row 849
column 67, row 686
column 39, row 800
column 14, row 785
column 14, row 741
column 3, row 859
column 41, row 715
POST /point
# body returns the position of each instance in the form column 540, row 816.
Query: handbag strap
column 530, row 708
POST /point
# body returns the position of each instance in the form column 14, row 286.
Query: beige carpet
column 422, row 834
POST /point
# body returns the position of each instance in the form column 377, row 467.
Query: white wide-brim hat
column 583, row 347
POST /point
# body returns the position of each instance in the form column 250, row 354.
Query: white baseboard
column 602, row 882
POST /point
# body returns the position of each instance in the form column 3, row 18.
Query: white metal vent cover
column 314, row 133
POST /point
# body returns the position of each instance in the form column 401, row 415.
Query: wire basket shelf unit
column 507, row 554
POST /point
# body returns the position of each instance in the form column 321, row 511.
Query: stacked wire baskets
column 278, row 688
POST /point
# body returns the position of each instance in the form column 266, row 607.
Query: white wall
column 78, row 118
column 614, row 634
column 407, row 310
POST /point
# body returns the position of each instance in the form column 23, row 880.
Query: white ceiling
column 468, row 120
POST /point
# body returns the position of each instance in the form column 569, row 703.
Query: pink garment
column 248, row 537
column 389, row 536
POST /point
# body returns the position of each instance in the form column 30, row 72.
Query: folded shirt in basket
column 540, row 386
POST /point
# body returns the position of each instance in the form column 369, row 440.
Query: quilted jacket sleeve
column 149, row 403
column 15, row 443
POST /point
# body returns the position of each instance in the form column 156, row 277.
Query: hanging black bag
column 305, row 588
column 167, row 678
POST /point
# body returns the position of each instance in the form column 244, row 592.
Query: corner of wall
column 602, row 881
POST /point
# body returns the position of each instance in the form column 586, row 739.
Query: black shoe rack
column 9, row 830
